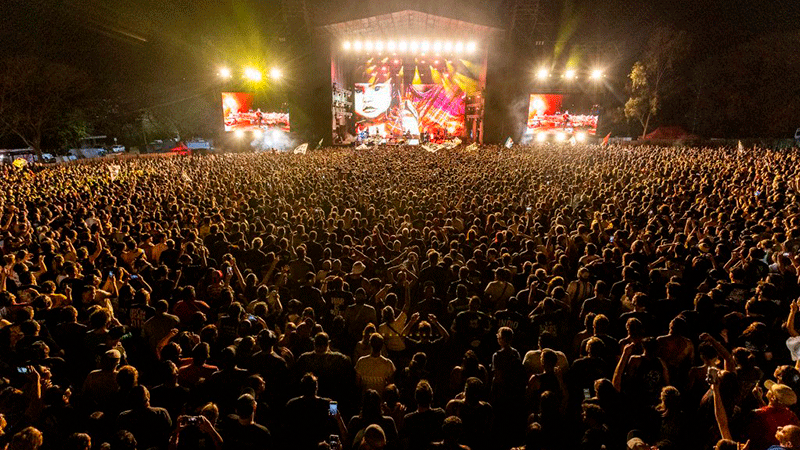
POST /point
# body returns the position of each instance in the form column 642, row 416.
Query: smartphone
column 334, row 441
column 193, row 420
column 587, row 393
column 134, row 277
column 252, row 318
column 230, row 270
column 333, row 408
column 23, row 370
column 110, row 274
column 529, row 209
column 611, row 239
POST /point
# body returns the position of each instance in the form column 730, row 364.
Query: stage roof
column 410, row 23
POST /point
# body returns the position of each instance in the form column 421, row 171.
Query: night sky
column 178, row 44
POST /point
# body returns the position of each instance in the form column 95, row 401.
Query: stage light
column 379, row 46
column 561, row 136
column 459, row 47
column 580, row 136
column 414, row 46
column 238, row 134
column 569, row 74
column 448, row 46
column 597, row 74
column 425, row 46
column 391, row 46
column 471, row 47
column 357, row 46
column 258, row 134
column 224, row 72
column 542, row 74
column 368, row 46
column 437, row 46
column 275, row 73
column 541, row 137
column 346, row 45
column 403, row 46
column 252, row 74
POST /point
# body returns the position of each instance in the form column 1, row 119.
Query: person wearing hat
column 355, row 279
column 767, row 420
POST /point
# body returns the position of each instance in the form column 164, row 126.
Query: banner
column 19, row 163
column 433, row 148
column 301, row 149
column 509, row 142
column 471, row 147
column 452, row 143
column 362, row 147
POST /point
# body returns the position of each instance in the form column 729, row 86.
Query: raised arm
column 727, row 358
column 619, row 371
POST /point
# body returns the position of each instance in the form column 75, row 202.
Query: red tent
column 672, row 133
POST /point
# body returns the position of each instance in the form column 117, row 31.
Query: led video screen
column 412, row 98
column 554, row 112
column 239, row 114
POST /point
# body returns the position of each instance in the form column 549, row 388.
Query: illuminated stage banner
column 551, row 113
column 395, row 99
column 238, row 114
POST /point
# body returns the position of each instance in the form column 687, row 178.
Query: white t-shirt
column 374, row 372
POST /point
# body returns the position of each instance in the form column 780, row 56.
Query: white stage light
column 238, row 134
column 580, row 136
column 569, row 74
column 252, row 74
column 379, row 46
column 561, row 136
column 275, row 73
column 459, row 47
column 357, row 46
column 448, row 46
column 414, row 46
column 402, row 46
column 597, row 74
column 425, row 46
column 224, row 72
column 258, row 134
column 471, row 47
column 541, row 137
column 542, row 74
column 437, row 46
column 368, row 46
column 346, row 45
column 391, row 46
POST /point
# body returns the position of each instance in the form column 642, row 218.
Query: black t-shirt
column 245, row 437
column 337, row 301
column 423, row 427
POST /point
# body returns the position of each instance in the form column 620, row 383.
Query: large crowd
column 538, row 298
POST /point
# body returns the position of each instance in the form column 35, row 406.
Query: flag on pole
column 19, row 163
column 301, row 149
column 320, row 144
column 605, row 139
column 509, row 142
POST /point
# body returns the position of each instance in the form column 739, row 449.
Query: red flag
column 605, row 139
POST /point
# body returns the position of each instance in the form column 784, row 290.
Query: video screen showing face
column 548, row 112
column 395, row 98
column 239, row 114
column 372, row 100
